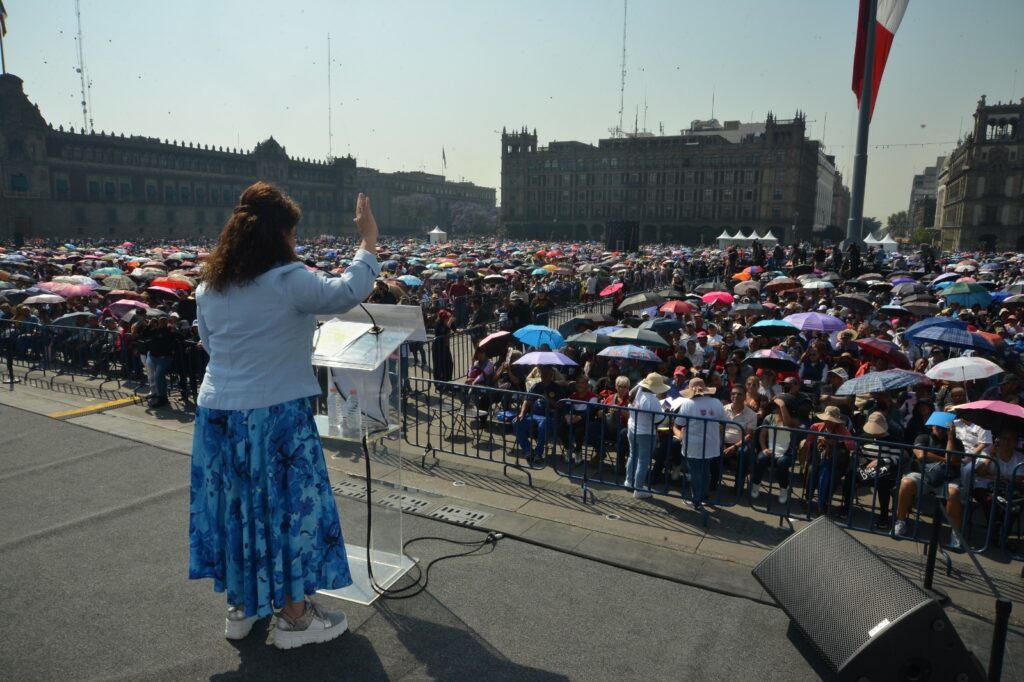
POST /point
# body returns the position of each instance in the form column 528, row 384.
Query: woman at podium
column 263, row 521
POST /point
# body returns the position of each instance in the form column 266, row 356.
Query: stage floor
column 93, row 555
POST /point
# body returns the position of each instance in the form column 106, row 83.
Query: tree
column 871, row 225
column 898, row 224
column 468, row 217
column 921, row 235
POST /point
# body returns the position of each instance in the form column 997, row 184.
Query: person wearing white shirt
column 640, row 430
column 699, row 428
column 745, row 421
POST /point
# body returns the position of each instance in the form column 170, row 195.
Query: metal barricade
column 56, row 351
column 469, row 421
column 598, row 444
column 869, row 475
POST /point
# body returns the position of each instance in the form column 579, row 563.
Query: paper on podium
column 398, row 323
column 334, row 338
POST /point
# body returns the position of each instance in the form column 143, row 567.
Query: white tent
column 768, row 238
column 888, row 243
column 870, row 240
column 724, row 239
column 438, row 236
column 740, row 237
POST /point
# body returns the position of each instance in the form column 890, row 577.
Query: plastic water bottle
column 352, row 417
column 334, row 405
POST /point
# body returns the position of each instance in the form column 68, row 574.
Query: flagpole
column 854, row 228
column 3, row 57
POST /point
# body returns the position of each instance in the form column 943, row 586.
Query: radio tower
column 86, row 83
column 622, row 85
column 330, row 134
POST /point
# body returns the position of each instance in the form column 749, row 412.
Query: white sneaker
column 314, row 626
column 641, row 494
column 236, row 625
column 755, row 491
column 901, row 527
column 783, row 495
column 676, row 473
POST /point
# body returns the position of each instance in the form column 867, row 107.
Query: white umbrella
column 964, row 369
column 43, row 298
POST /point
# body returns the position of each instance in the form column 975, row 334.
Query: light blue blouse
column 260, row 336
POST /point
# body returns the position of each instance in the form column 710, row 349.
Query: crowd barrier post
column 9, row 341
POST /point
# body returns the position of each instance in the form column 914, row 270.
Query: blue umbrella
column 662, row 325
column 538, row 335
column 545, row 358
column 880, row 382
column 630, row 352
column 774, row 328
column 913, row 330
column 608, row 330
column 389, row 264
column 539, row 272
column 953, row 337
column 410, row 280
column 968, row 294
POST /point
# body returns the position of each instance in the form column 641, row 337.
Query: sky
column 410, row 78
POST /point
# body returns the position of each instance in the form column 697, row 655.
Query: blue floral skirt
column 262, row 518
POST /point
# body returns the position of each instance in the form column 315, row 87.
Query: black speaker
column 867, row 621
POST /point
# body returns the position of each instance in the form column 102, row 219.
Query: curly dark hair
column 255, row 238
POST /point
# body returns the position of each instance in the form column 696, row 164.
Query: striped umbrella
column 630, row 352
column 880, row 382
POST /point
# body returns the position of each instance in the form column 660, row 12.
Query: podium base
column 387, row 569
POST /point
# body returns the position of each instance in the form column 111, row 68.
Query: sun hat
column 943, row 419
column 655, row 383
column 876, row 425
column 696, row 388
column 831, row 414
column 839, row 372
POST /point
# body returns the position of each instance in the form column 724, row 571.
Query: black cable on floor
column 422, row 579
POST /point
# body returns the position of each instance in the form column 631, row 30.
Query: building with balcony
column 980, row 188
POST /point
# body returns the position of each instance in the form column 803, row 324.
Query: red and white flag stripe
column 887, row 20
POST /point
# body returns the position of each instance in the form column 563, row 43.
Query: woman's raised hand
column 366, row 224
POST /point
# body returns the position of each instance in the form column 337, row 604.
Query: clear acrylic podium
column 357, row 358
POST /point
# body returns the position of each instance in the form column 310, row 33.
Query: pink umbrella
column 611, row 289
column 164, row 290
column 43, row 299
column 67, row 290
column 994, row 415
column 722, row 297
column 119, row 308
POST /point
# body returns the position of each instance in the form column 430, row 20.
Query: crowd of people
column 699, row 350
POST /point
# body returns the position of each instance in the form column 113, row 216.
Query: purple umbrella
column 630, row 352
column 545, row 358
column 816, row 322
column 946, row 277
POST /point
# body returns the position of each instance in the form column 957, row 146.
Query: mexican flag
column 887, row 20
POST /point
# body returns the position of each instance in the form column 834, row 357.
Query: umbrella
column 993, row 415
column 170, row 283
column 884, row 349
column 589, row 340
column 678, row 308
column 78, row 279
column 709, row 287
column 496, row 343
column 545, row 358
column 722, row 297
column 106, row 272
column 639, row 337
column 968, row 294
column 67, row 290
column 801, row 269
column 880, row 382
column 819, row 284
column 749, row 309
column 536, row 335
column 902, row 290
column 922, row 309
column 587, row 321
column 630, row 352
column 611, row 289
column 539, row 272
column 413, row 281
column 816, row 322
column 942, row 335
column 771, row 359
column 72, row 319
column 747, row 289
column 43, row 299
column 164, row 290
column 782, row 284
column 895, row 311
column 119, row 282
column 774, row 328
column 964, row 369
column 119, row 308
column 753, row 270
column 608, row 330
column 932, row 322
column 640, row 301
column 855, row 302
column 661, row 325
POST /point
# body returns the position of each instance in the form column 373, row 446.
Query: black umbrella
column 802, row 269
column 855, row 302
column 749, row 309
column 639, row 337
column 708, row 287
column 72, row 319
column 640, row 301
column 589, row 340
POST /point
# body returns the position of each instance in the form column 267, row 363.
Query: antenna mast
column 86, row 83
column 330, row 104
column 622, row 86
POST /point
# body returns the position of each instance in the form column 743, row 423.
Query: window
column 19, row 183
column 126, row 191
column 168, row 194
column 707, row 195
column 94, row 189
column 776, row 213
column 748, row 195
column 776, row 195
column 61, row 188
column 151, row 193
column 214, row 196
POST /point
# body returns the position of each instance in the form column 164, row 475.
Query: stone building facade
column 62, row 184
column 682, row 188
column 980, row 195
